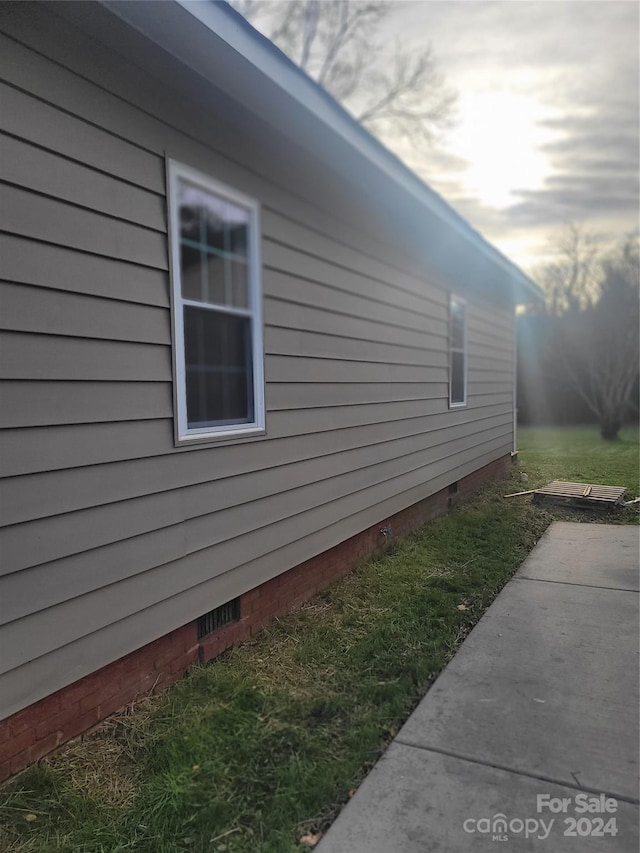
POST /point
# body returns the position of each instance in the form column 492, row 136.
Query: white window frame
column 183, row 433
column 464, row 350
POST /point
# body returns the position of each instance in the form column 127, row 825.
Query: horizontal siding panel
column 477, row 361
column 90, row 570
column 489, row 321
column 86, row 572
column 290, row 395
column 26, row 404
column 28, row 450
column 25, row 451
column 30, row 637
column 26, row 545
column 324, row 321
column 77, row 60
column 317, row 505
column 489, row 357
column 41, row 676
column 27, row 356
column 29, row 262
column 485, row 316
column 33, row 120
column 501, row 345
column 482, row 399
column 47, row 494
column 497, row 345
column 29, row 309
column 492, row 387
column 53, row 448
column 42, row 218
column 294, row 234
column 26, row 166
column 302, row 291
column 71, row 93
column 329, row 499
column 288, row 260
column 501, row 388
column 222, row 504
column 312, row 421
column 296, row 342
column 493, row 376
column 301, row 369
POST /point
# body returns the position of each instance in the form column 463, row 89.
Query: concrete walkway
column 541, row 701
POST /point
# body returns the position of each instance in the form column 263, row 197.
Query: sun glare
column 498, row 134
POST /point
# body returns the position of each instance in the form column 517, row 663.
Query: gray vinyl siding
column 111, row 536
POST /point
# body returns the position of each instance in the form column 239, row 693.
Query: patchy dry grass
column 99, row 767
column 266, row 744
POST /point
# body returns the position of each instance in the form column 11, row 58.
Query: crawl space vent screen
column 214, row 619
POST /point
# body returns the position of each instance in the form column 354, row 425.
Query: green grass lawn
column 580, row 455
column 251, row 753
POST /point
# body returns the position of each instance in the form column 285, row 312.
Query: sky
column 546, row 127
column 546, row 131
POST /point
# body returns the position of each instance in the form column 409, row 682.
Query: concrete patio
column 531, row 723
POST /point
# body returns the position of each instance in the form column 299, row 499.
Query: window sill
column 212, row 438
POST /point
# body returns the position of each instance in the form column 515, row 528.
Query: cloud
column 580, row 63
column 595, row 170
column 608, row 138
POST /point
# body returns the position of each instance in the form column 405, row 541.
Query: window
column 457, row 352
column 217, row 308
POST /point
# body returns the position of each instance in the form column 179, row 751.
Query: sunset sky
column 547, row 121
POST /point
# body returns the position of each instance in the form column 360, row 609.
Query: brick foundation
column 41, row 728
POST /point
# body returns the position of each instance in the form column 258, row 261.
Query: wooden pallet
column 580, row 494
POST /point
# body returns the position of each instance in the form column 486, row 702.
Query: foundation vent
column 214, row 619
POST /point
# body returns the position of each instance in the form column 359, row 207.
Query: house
column 242, row 347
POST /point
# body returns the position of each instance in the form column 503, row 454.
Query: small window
column 217, row 307
column 457, row 352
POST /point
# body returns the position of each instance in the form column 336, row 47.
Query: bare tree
column 593, row 327
column 340, row 44
column 612, row 353
column 571, row 281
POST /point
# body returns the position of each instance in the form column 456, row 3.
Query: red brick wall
column 39, row 729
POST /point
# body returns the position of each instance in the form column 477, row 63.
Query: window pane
column 238, row 274
column 215, row 291
column 213, row 231
column 202, row 217
column 189, row 216
column 457, row 377
column 214, row 235
column 237, row 220
column 191, row 272
column 208, row 219
column 457, row 325
column 218, row 368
